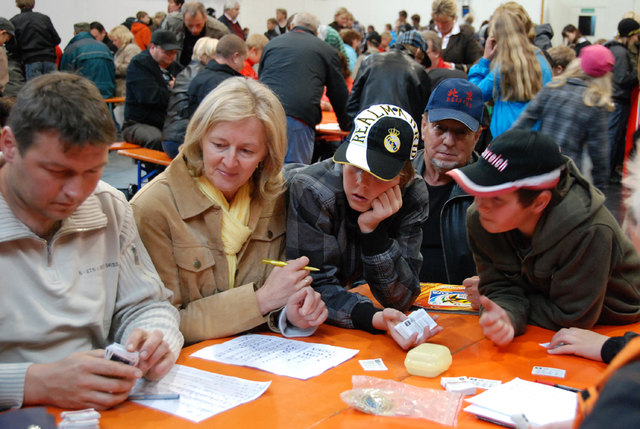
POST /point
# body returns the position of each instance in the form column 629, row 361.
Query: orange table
column 148, row 156
column 292, row 403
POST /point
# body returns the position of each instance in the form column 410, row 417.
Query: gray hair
column 80, row 27
column 230, row 4
column 432, row 36
column 306, row 19
column 193, row 8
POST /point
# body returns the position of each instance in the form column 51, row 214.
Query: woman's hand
column 306, row 309
column 490, row 47
column 282, row 283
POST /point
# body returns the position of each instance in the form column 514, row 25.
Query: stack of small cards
column 81, row 419
column 415, row 322
column 467, row 385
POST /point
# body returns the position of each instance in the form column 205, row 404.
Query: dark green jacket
column 93, row 60
column 581, row 269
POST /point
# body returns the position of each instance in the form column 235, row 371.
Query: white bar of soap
column 428, row 360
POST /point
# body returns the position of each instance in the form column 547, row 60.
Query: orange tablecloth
column 292, row 403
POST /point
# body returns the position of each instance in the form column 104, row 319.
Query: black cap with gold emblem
column 384, row 137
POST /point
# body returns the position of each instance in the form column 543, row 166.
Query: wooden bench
column 148, row 156
column 124, row 145
column 111, row 102
column 114, row 100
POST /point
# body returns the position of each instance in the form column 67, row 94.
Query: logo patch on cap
column 452, row 97
column 383, row 139
column 392, row 141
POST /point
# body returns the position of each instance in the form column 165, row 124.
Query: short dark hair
column 6, row 103
column 65, row 103
column 79, row 27
column 229, row 44
column 403, row 14
column 570, row 28
column 95, row 25
column 406, row 174
column 348, row 35
column 526, row 197
column 25, row 4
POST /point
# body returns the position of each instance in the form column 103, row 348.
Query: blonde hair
column 256, row 40
column 633, row 15
column 234, row 99
column 121, row 33
column 561, row 55
column 340, row 11
column 521, row 13
column 519, row 69
column 598, row 92
column 205, row 48
column 444, row 7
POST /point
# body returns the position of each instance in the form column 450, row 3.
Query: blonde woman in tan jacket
column 123, row 39
column 211, row 217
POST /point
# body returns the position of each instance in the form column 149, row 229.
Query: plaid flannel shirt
column 322, row 226
column 572, row 124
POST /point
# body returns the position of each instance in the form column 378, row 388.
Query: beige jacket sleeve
column 124, row 56
column 189, row 258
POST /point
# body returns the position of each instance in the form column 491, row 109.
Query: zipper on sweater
column 49, row 243
column 134, row 251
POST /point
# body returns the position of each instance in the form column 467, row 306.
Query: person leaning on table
column 217, row 210
column 75, row 275
column 548, row 252
column 358, row 217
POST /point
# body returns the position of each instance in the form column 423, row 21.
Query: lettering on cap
column 453, row 97
column 495, row 160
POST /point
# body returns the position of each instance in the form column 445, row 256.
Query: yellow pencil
column 282, row 264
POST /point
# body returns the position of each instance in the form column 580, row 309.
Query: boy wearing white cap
column 548, row 252
column 358, row 217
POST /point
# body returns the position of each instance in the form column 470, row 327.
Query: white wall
column 254, row 13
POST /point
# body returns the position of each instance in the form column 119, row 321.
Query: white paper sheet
column 329, row 127
column 202, row 394
column 541, row 404
column 281, row 356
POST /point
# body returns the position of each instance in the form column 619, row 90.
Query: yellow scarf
column 235, row 218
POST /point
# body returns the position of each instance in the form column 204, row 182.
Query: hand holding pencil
column 283, row 282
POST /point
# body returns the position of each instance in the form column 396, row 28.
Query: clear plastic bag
column 382, row 397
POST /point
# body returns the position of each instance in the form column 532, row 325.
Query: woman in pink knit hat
column 574, row 110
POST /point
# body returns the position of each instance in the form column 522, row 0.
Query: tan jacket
column 121, row 60
column 180, row 227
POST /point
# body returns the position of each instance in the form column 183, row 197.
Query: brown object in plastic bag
column 381, row 397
